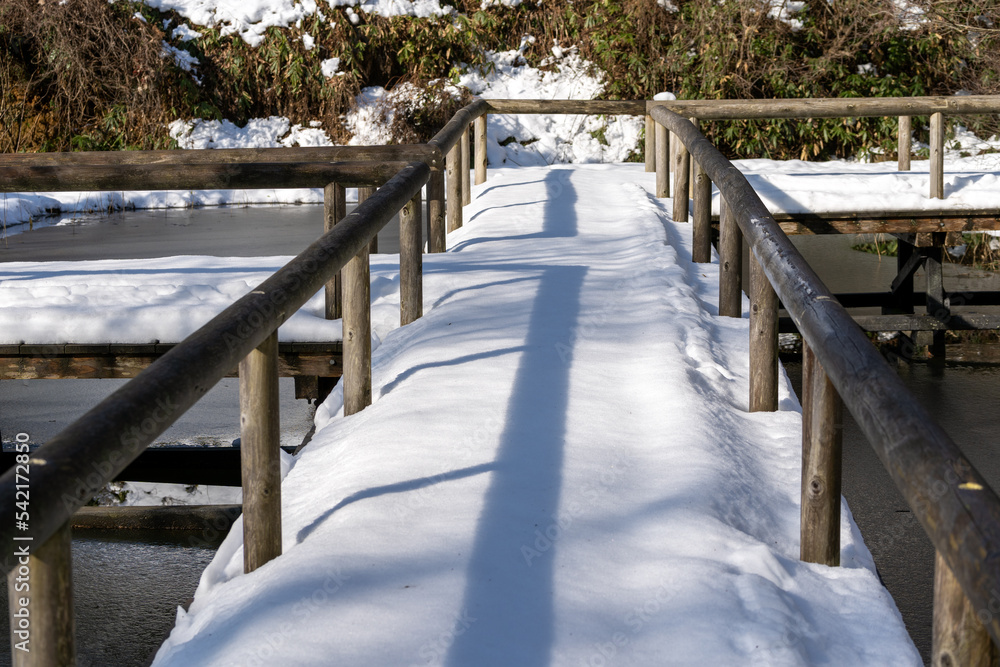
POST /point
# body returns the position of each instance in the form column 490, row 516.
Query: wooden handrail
column 193, row 176
column 837, row 107
column 951, row 499
column 401, row 153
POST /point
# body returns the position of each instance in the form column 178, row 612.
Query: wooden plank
column 229, row 176
column 822, row 429
column 763, row 341
column 260, row 454
column 121, row 362
column 842, row 107
column 730, row 265
column 599, row 107
column 218, row 518
column 903, row 322
column 164, row 158
column 924, row 222
column 48, row 616
column 903, row 144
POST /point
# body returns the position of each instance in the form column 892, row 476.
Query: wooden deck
column 113, row 361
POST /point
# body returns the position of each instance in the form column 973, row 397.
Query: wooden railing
column 954, row 504
column 951, row 499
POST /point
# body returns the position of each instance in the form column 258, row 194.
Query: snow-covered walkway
column 558, row 469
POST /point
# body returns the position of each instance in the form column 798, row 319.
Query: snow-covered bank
column 796, row 186
column 558, row 468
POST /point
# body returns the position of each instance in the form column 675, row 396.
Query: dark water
column 127, row 586
column 222, row 231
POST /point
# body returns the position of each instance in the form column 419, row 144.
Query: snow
column 558, row 467
column 330, row 67
column 786, row 11
column 540, row 139
column 184, row 33
column 250, row 19
column 165, row 300
column 181, row 58
column 796, row 186
column 272, row 132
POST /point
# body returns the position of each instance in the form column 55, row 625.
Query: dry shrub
column 85, row 70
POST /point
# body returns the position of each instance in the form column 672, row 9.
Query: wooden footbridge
column 955, row 505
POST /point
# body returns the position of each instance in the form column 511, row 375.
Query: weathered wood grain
column 822, row 428
column 260, row 454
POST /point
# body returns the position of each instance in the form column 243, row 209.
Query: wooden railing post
column 694, row 121
column 480, row 152
column 435, row 212
column 701, row 251
column 822, row 427
column 959, row 636
column 650, row 144
column 334, row 210
column 411, row 291
column 44, row 581
column 682, row 172
column 662, row 161
column 903, row 143
column 937, row 156
column 453, row 198
column 763, row 340
column 466, row 166
column 260, row 454
column 364, row 194
column 730, row 263
column 357, row 334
